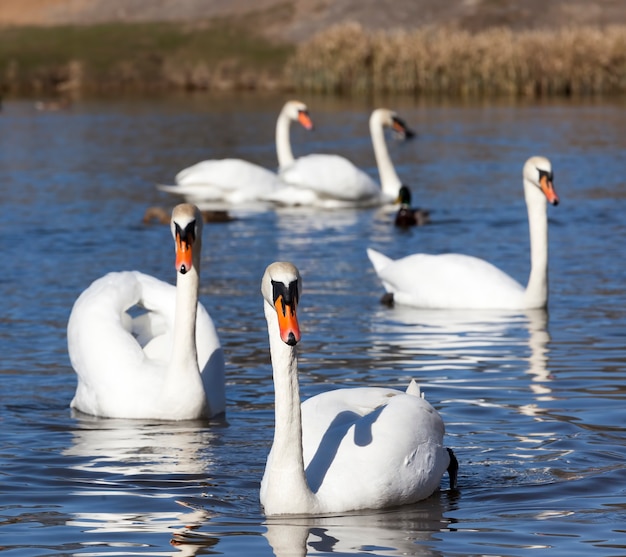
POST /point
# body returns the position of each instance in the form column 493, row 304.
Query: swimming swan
column 236, row 181
column 455, row 281
column 331, row 181
column 347, row 449
column 166, row 363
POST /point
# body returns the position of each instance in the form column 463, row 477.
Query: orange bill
column 183, row 255
column 305, row 120
column 547, row 187
column 287, row 321
column 400, row 128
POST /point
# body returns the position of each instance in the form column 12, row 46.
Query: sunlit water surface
column 534, row 402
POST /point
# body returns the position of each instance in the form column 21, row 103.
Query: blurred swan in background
column 237, row 181
column 451, row 280
column 332, row 181
column 167, row 362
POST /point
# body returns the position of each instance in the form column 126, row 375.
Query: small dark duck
column 408, row 216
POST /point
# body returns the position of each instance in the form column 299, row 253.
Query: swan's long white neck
column 389, row 181
column 283, row 142
column 537, row 289
column 287, row 488
column 184, row 357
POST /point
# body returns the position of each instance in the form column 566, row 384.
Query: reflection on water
column 381, row 533
column 175, row 524
column 390, row 532
column 448, row 340
column 125, row 454
column 131, row 447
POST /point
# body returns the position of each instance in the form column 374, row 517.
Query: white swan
column 449, row 281
column 166, row 363
column 236, row 181
column 331, row 181
column 347, row 449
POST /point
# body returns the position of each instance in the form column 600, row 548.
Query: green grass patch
column 155, row 54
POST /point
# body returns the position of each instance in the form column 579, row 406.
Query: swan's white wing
column 372, row 447
column 234, row 181
column 331, row 176
column 449, row 281
column 110, row 363
column 194, row 193
column 210, row 361
column 121, row 359
column 335, row 408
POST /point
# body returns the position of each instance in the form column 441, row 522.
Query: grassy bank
column 436, row 61
column 346, row 59
column 151, row 56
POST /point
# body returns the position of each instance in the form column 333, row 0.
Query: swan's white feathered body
column 231, row 181
column 347, row 449
column 331, row 181
column 162, row 360
column 393, row 438
column 449, row 281
column 236, row 181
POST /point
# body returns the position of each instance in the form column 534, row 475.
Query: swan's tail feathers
column 413, row 389
column 379, row 261
column 168, row 188
column 453, row 469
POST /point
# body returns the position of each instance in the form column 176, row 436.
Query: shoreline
column 70, row 61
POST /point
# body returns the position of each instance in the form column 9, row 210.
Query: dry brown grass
column 436, row 61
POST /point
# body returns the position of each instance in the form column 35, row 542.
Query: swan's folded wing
column 331, row 176
column 194, row 192
column 391, row 454
column 448, row 280
column 338, row 409
column 154, row 327
column 98, row 330
column 233, row 180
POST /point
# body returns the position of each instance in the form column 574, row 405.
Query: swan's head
column 298, row 112
column 538, row 172
column 186, row 226
column 281, row 287
column 383, row 117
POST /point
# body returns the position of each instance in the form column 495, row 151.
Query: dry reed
column 436, row 61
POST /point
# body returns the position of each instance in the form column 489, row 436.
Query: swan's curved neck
column 283, row 143
column 287, row 488
column 389, row 181
column 537, row 289
column 184, row 357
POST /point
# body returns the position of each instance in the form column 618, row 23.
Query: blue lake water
column 534, row 402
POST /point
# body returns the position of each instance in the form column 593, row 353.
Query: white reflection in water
column 445, row 340
column 171, row 523
column 401, row 531
column 396, row 532
column 131, row 447
column 301, row 221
